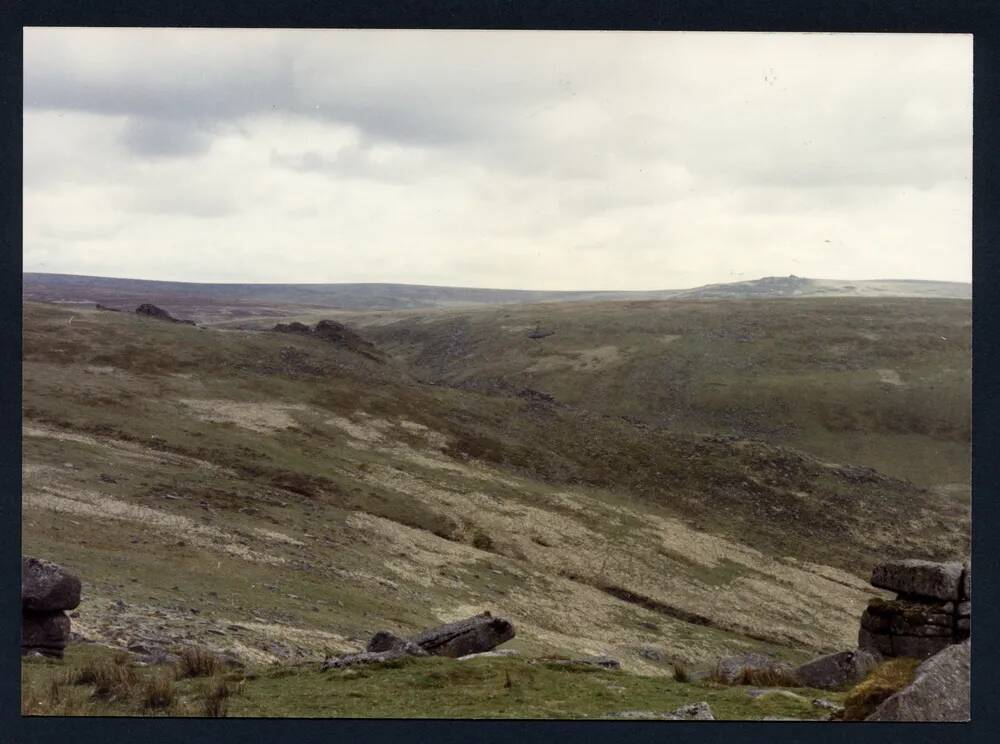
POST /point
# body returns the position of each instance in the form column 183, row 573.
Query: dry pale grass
column 111, row 679
column 157, row 691
column 259, row 416
column 196, row 661
column 883, row 682
column 73, row 500
column 766, row 678
column 216, row 698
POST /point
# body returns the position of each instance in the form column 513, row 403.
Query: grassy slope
column 416, row 688
column 880, row 382
column 304, row 497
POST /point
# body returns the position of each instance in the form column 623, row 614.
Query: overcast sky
column 544, row 160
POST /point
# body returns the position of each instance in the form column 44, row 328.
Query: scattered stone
column 365, row 657
column 653, row 654
column 920, row 578
column 939, row 692
column 732, row 668
column 694, row 712
column 107, row 478
column 837, row 671
column 826, row 704
column 604, row 662
column 386, row 641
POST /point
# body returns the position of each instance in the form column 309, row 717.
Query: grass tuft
column 883, row 682
column 197, row 662
column 217, row 693
column 767, row 678
column 157, row 691
column 112, row 679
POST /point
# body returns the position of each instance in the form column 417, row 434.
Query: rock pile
column 932, row 609
column 159, row 313
column 472, row 635
column 47, row 590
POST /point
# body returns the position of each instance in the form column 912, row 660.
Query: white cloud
column 515, row 159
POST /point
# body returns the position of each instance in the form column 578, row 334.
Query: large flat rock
column 940, row 691
column 473, row 635
column 917, row 578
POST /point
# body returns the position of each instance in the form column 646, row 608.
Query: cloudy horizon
column 520, row 160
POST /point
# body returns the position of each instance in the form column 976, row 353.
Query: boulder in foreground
column 45, row 633
column 473, row 635
column 836, row 671
column 47, row 586
column 940, row 691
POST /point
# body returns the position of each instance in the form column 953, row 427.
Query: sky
column 529, row 160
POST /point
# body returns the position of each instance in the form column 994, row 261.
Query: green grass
column 412, row 688
column 554, row 503
column 795, row 371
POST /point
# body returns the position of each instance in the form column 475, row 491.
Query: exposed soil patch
column 261, row 416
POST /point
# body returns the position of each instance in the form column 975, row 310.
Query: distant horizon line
column 488, row 289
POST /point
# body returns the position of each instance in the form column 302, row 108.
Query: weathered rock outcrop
column 152, row 311
column 836, row 671
column 47, row 586
column 47, row 590
column 472, row 635
column 475, row 634
column 940, row 691
column 386, row 641
column 734, row 668
column 334, row 333
column 918, row 578
column 932, row 609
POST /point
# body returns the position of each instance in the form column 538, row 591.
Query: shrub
column 197, row 662
column 111, row 678
column 767, row 678
column 216, row 694
column 883, row 682
column 157, row 691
